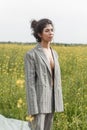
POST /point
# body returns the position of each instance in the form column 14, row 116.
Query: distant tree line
column 31, row 43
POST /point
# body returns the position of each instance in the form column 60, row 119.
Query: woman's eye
column 49, row 30
column 46, row 30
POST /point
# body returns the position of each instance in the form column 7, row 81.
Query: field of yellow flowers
column 73, row 62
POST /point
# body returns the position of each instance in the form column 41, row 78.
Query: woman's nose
column 51, row 32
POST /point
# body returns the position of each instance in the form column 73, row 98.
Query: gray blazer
column 38, row 82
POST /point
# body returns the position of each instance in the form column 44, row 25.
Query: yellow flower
column 29, row 118
column 20, row 83
column 20, row 103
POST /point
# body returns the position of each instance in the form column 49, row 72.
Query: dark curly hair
column 38, row 26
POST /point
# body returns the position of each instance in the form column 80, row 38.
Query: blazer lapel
column 44, row 58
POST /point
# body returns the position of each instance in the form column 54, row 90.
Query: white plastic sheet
column 12, row 124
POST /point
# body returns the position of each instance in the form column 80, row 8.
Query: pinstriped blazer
column 38, row 79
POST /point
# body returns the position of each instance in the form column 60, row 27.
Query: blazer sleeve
column 30, row 84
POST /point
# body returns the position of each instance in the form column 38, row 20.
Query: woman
column 43, row 78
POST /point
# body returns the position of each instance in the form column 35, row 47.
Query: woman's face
column 47, row 33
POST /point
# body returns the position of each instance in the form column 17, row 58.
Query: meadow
column 73, row 63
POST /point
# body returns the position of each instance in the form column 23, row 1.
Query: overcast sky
column 69, row 18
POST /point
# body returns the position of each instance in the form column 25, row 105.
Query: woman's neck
column 45, row 44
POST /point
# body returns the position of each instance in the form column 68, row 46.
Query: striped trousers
column 43, row 121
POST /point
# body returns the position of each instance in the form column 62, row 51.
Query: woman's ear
column 39, row 35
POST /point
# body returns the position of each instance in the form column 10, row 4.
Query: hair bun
column 33, row 24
